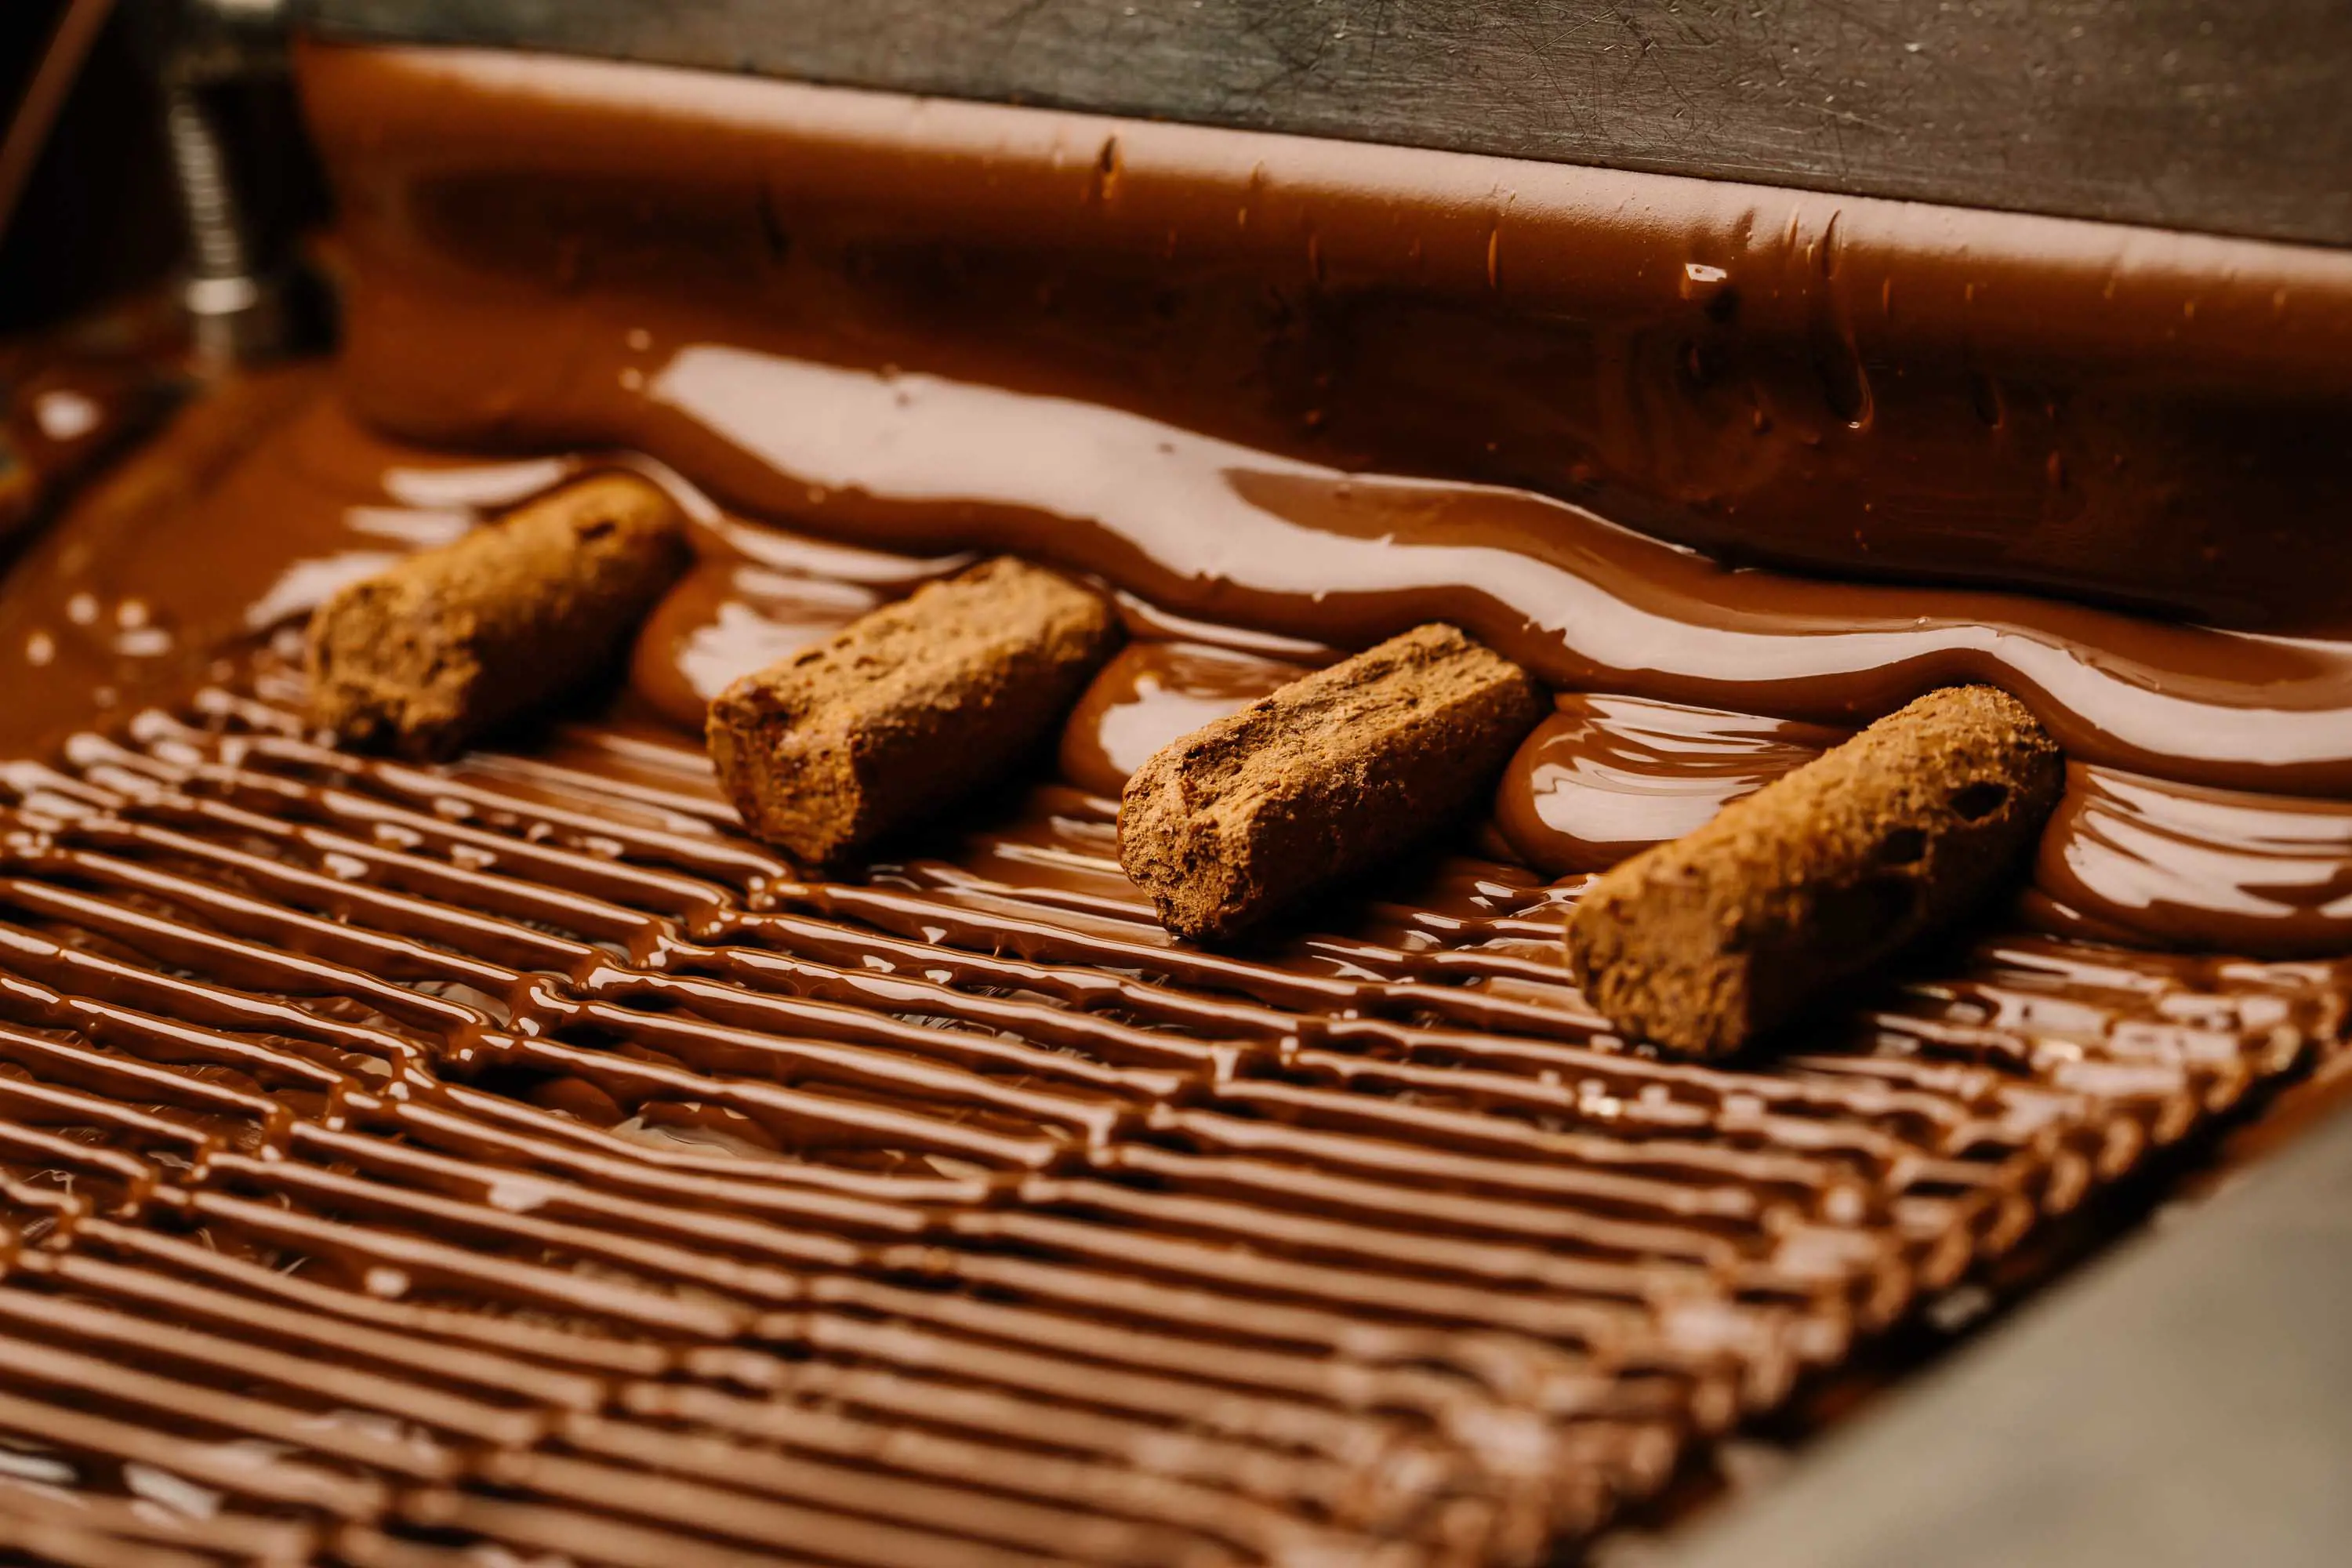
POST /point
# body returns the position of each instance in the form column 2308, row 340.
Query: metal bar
column 28, row 130
column 2227, row 118
column 2187, row 1402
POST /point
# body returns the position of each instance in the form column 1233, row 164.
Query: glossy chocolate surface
column 928, row 326
column 404, row 1160
column 70, row 399
column 1853, row 386
column 1606, row 777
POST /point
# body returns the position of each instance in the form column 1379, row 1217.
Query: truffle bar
column 1326, row 777
column 1703, row 943
column 454, row 641
column 905, row 709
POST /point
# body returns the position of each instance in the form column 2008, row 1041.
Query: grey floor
column 2187, row 1400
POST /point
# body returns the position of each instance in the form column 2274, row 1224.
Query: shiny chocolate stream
column 155, row 578
column 520, row 275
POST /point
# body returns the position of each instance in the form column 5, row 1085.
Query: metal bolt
column 236, row 302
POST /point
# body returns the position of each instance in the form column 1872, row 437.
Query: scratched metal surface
column 2189, row 1402
column 2189, row 113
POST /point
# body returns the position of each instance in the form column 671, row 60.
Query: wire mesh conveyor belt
column 400, row 1160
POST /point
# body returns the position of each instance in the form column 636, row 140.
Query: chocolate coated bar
column 454, row 641
column 905, row 709
column 1703, row 943
column 1326, row 777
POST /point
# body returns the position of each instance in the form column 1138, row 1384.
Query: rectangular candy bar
column 1326, row 777
column 454, row 641
column 1703, row 943
column 906, row 708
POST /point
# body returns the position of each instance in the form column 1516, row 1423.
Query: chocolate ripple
column 2189, row 867
column 1605, row 777
column 1212, row 529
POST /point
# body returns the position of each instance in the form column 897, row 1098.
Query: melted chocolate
column 320, row 500
column 1607, row 777
column 403, row 1160
column 1149, row 695
column 1217, row 531
column 762, row 337
column 2185, row 867
column 1825, row 382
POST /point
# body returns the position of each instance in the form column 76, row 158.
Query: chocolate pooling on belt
column 906, row 708
column 1328, row 776
column 454, row 641
column 1704, row 942
column 519, row 1160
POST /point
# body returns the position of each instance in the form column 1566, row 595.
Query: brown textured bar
column 1702, row 944
column 906, row 708
column 1326, row 777
column 456, row 641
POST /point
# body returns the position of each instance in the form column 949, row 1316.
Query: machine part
column 2227, row 119
column 237, row 310
column 28, row 130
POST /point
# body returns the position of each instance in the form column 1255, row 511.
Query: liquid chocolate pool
column 403, row 1160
